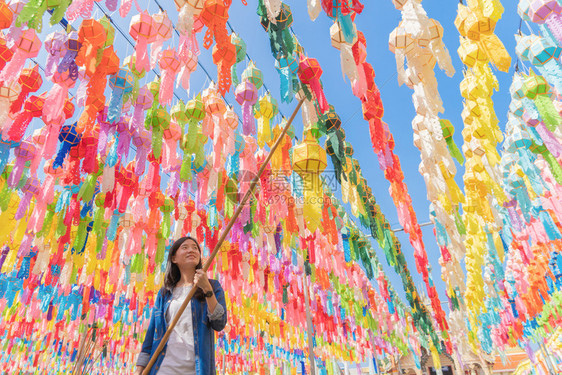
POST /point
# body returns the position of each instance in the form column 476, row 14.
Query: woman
column 191, row 347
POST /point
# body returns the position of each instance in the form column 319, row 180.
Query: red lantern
column 309, row 73
column 30, row 81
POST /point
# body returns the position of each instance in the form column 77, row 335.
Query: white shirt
column 180, row 353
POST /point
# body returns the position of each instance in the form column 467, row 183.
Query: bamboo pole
column 207, row 264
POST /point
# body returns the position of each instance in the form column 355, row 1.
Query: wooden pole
column 225, row 232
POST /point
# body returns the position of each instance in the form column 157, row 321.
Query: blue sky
column 378, row 19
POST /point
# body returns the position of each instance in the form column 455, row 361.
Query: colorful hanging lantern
column 267, row 110
column 6, row 53
column 92, row 35
column 188, row 11
column 6, row 16
column 169, row 64
column 121, row 83
column 142, row 103
column 143, row 30
column 163, row 26
column 537, row 89
column 142, row 141
column 247, row 95
column 27, row 45
column 240, row 46
column 309, row 73
column 24, row 153
column 287, row 66
column 69, row 138
column 8, row 94
column 72, row 45
column 33, row 108
column 309, row 160
column 224, row 57
column 189, row 62
column 253, row 75
column 30, row 81
column 547, row 12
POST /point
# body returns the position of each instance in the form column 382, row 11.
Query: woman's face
column 187, row 254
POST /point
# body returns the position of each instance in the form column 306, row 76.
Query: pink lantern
column 24, row 152
column 547, row 11
column 169, row 64
column 171, row 137
column 54, row 103
column 143, row 30
column 33, row 108
column 163, row 27
column 28, row 45
column 247, row 95
column 143, row 102
column 309, row 73
column 31, row 188
column 188, row 65
column 142, row 141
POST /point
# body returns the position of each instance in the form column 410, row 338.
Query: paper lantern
column 214, row 15
column 188, row 10
column 287, row 66
column 72, row 45
column 267, row 110
column 6, row 16
column 6, row 54
column 253, row 74
column 159, row 120
column 309, row 160
column 144, row 32
column 164, row 27
column 30, row 81
column 547, row 11
column 224, row 57
column 69, row 138
column 247, row 95
column 121, row 83
column 8, row 94
column 23, row 153
column 544, row 54
column 537, row 89
column 189, row 62
column 309, row 73
column 27, row 45
column 240, row 47
column 142, row 141
column 55, row 46
column 33, row 108
column 30, row 189
column 92, row 35
column 169, row 64
column 143, row 102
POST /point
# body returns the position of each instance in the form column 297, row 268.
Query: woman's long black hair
column 173, row 274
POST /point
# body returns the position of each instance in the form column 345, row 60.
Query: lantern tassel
column 548, row 112
column 19, row 126
column 554, row 23
column 115, row 105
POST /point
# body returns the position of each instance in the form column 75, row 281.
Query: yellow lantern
column 309, row 160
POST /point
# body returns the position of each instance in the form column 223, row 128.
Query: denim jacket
column 204, row 325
